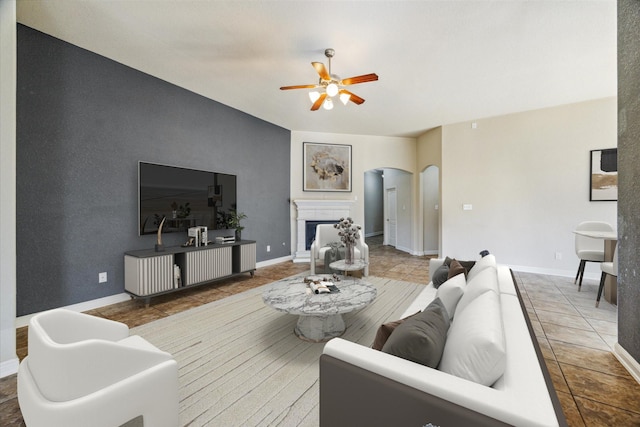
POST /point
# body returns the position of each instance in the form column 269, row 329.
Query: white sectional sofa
column 367, row 387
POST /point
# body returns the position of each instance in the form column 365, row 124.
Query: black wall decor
column 603, row 175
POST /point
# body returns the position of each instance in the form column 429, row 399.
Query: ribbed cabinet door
column 248, row 257
column 207, row 264
column 146, row 276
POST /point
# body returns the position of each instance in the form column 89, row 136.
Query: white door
column 392, row 215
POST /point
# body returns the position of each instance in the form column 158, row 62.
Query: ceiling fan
column 332, row 85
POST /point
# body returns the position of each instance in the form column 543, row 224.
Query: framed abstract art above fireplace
column 603, row 176
column 327, row 167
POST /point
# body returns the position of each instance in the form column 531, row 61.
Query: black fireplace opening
column 310, row 231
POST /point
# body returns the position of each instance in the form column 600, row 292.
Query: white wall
column 429, row 153
column 527, row 177
column 8, row 358
column 430, row 207
column 368, row 152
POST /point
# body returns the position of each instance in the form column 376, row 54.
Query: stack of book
column 225, row 239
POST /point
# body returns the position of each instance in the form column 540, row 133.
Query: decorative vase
column 349, row 251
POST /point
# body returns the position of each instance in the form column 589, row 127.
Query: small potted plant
column 184, row 211
column 234, row 219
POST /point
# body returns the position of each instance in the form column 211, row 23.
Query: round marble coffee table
column 320, row 315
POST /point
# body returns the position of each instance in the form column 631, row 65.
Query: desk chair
column 587, row 248
column 610, row 268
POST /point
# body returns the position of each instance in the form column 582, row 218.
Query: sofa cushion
column 421, row 338
column 385, row 330
column 440, row 275
column 468, row 265
column 450, row 293
column 456, row 268
column 484, row 262
column 475, row 347
column 486, row 280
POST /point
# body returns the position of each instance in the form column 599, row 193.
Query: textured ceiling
column 439, row 62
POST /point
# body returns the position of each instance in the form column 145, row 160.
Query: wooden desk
column 610, row 239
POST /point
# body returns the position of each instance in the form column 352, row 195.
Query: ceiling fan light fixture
column 332, row 89
column 314, row 95
column 331, row 85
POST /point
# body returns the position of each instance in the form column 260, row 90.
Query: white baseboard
column 9, row 367
column 113, row 299
column 273, row 261
column 83, row 306
column 407, row 250
column 627, row 361
column 553, row 272
column 375, row 233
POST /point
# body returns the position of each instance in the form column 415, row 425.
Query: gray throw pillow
column 440, row 276
column 421, row 338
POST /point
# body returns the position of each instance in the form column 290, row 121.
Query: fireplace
column 311, row 213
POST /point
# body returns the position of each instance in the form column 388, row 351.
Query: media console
column 148, row 273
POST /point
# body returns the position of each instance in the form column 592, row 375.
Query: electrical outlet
column 268, row 248
column 102, row 277
column 558, row 255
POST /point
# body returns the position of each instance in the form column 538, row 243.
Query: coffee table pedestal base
column 319, row 328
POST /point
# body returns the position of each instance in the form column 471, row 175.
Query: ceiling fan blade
column 318, row 102
column 322, row 70
column 298, row 87
column 360, row 79
column 352, row 97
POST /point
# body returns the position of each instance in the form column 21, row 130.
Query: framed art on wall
column 603, row 176
column 327, row 167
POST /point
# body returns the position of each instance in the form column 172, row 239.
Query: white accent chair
column 587, row 248
column 327, row 233
column 84, row 370
column 610, row 268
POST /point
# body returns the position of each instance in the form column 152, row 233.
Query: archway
column 379, row 185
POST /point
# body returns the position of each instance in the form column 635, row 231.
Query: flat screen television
column 185, row 197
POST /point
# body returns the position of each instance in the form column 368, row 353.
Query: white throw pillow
column 486, row 280
column 481, row 264
column 450, row 293
column 475, row 348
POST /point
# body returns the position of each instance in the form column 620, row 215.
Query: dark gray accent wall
column 629, row 176
column 83, row 123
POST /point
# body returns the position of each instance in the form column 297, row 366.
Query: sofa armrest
column 381, row 392
column 64, row 326
column 350, row 396
column 153, row 394
column 68, row 371
column 353, row 371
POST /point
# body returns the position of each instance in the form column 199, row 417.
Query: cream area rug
column 240, row 364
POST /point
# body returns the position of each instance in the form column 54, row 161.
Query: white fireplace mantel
column 316, row 210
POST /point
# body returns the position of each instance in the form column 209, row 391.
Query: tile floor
column 575, row 337
column 576, row 340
